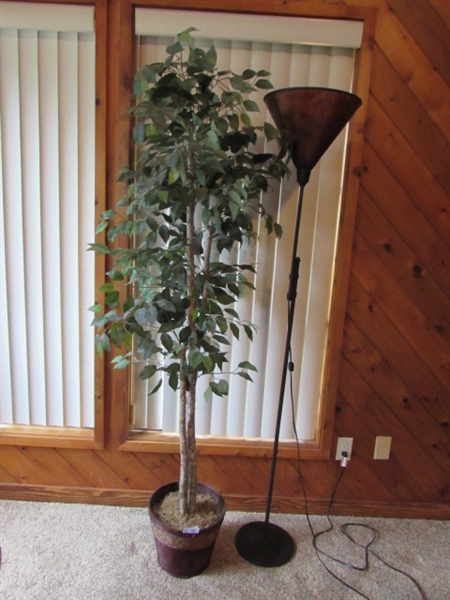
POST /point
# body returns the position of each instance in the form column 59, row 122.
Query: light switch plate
column 382, row 447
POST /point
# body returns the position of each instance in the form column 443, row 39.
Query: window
column 47, row 82
column 297, row 54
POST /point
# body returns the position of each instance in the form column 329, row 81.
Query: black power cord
column 345, row 527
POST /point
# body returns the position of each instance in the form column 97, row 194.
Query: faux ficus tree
column 193, row 195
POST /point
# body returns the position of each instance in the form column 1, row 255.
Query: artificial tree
column 193, row 194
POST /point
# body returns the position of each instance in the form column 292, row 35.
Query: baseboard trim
column 235, row 502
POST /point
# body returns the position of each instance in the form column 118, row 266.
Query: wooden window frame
column 121, row 63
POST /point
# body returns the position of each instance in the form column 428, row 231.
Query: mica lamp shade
column 314, row 117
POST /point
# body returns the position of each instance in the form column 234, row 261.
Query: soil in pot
column 207, row 513
column 185, row 546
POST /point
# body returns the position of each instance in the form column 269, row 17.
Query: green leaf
column 234, row 209
column 96, row 308
column 248, row 74
column 175, row 47
column 167, row 341
column 121, row 364
column 112, row 316
column 150, row 131
column 235, row 330
column 208, row 394
column 211, row 55
column 219, row 388
column 208, row 364
column 278, row 230
column 249, row 332
column 240, row 85
column 234, row 195
column 244, row 375
column 234, row 289
column 106, row 287
column 147, row 372
column 163, row 195
column 224, row 298
column 98, row 321
column 213, row 138
column 108, row 214
column 166, row 305
column 233, row 120
column 231, row 312
column 173, row 381
column 221, row 339
column 251, row 106
column 195, row 359
column 139, row 133
column 99, row 248
column 104, row 341
column 146, row 315
column 264, row 84
column 270, row 132
column 112, row 298
column 206, row 216
column 246, row 120
column 115, row 275
column 247, row 365
column 156, row 388
column 101, row 227
column 185, row 36
column 174, row 174
column 128, row 303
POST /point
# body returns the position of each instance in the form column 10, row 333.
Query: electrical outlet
column 344, row 445
column 382, row 447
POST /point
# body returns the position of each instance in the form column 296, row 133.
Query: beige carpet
column 80, row 552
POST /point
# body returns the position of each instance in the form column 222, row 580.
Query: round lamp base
column 264, row 544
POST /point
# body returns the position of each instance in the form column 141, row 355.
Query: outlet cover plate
column 344, row 445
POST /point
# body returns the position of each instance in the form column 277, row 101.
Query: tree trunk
column 184, row 457
column 189, row 415
column 191, row 449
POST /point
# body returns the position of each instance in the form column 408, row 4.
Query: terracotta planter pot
column 184, row 554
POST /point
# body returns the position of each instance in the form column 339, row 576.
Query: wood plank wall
column 394, row 363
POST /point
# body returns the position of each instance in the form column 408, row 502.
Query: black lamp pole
column 314, row 117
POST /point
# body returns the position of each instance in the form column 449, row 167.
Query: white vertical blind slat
column 29, row 90
column 6, row 412
column 86, row 232
column 69, row 195
column 50, row 161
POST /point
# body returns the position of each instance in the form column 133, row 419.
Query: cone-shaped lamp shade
column 314, row 117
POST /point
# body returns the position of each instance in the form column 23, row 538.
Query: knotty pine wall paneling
column 392, row 373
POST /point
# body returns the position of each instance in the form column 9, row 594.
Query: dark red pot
column 184, row 554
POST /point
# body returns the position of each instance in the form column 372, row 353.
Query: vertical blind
column 47, row 96
column 250, row 409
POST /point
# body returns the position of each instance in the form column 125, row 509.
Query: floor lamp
column 314, row 117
